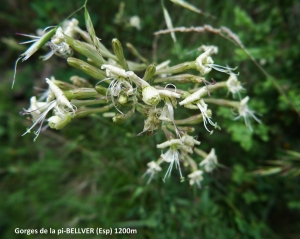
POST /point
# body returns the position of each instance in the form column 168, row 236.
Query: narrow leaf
column 91, row 31
column 190, row 7
column 187, row 5
column 169, row 22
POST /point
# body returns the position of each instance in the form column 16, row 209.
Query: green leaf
column 91, row 31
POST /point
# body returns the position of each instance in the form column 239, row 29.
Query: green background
column 89, row 174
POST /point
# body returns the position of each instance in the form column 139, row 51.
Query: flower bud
column 101, row 90
column 87, row 68
column 80, row 82
column 151, row 95
column 149, row 73
column 134, row 21
column 85, row 49
column 118, row 50
column 63, row 85
column 81, row 93
column 180, row 79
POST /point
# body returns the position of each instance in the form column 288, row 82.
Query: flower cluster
column 127, row 88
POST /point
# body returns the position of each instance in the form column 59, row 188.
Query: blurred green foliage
column 89, row 174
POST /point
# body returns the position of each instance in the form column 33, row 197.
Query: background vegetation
column 89, row 174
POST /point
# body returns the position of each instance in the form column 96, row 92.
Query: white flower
column 120, row 83
column 210, row 162
column 153, row 168
column 38, row 43
column 188, row 144
column 35, row 109
column 135, row 21
column 61, row 107
column 62, row 49
column 234, row 85
column 172, row 156
column 58, row 46
column 39, row 119
column 245, row 112
column 167, row 113
column 70, row 27
column 213, row 49
column 204, row 63
column 62, row 101
column 203, row 108
column 196, row 177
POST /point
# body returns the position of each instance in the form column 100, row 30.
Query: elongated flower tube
column 113, row 71
column 194, row 97
column 60, row 96
column 87, row 68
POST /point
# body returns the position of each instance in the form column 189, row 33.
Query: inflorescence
column 128, row 88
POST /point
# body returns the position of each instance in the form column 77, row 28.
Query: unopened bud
column 181, row 79
column 86, row 49
column 118, row 50
column 63, row 85
column 80, row 82
column 149, row 73
column 101, row 90
column 87, row 68
column 81, row 93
